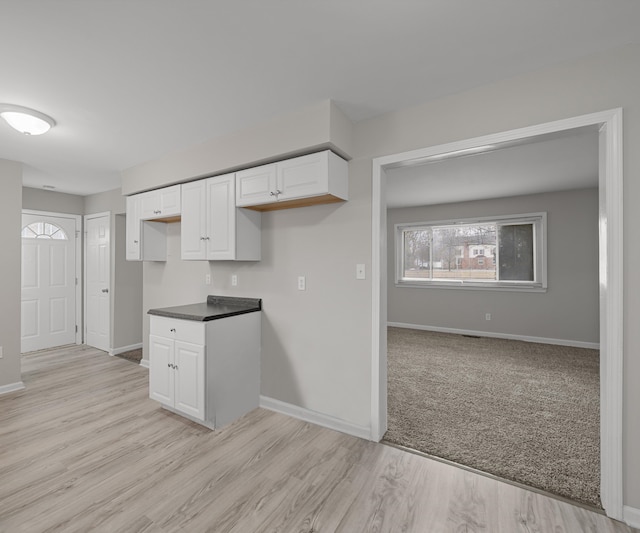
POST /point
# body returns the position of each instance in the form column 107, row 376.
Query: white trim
column 315, row 418
column 631, row 516
column 510, row 336
column 611, row 281
column 11, row 387
column 611, row 314
column 144, row 363
column 123, row 349
column 79, row 273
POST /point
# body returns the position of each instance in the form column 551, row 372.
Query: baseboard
column 631, row 516
column 123, row 349
column 315, row 418
column 144, row 363
column 11, row 387
column 541, row 340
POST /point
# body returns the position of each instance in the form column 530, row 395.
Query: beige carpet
column 522, row 411
column 135, row 356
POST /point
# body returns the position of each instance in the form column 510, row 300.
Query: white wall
column 10, row 243
column 317, row 344
column 568, row 311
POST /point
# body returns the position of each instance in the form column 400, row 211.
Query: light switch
column 302, row 283
column 360, row 271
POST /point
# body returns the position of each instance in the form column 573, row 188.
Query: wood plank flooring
column 83, row 449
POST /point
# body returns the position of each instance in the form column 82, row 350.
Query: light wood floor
column 83, row 449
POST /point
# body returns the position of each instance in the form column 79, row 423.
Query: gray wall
column 54, row 202
column 569, row 310
column 317, row 344
column 10, row 244
column 127, row 290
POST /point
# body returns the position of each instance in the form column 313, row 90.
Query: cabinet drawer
column 185, row 330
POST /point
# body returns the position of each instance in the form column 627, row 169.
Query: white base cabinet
column 206, row 371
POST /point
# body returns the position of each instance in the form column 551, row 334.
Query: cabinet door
column 133, row 228
column 161, row 372
column 189, row 379
column 303, row 176
column 193, row 225
column 169, row 201
column 221, row 220
column 256, row 186
column 149, row 205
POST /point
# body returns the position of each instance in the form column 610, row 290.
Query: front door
column 98, row 281
column 48, row 305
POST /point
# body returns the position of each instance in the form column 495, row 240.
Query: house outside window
column 452, row 253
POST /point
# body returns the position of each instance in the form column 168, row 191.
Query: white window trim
column 539, row 221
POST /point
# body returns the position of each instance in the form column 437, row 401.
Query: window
column 451, row 253
column 43, row 230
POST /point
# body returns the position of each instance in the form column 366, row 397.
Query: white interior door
column 97, row 281
column 48, row 308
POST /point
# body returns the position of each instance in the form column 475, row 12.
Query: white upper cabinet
column 147, row 214
column 212, row 227
column 133, row 229
column 160, row 203
column 194, row 221
column 256, row 185
column 301, row 181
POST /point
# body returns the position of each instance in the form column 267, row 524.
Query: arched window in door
column 43, row 230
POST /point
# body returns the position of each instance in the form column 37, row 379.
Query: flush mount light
column 25, row 120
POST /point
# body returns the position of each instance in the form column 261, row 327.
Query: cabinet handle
column 175, row 367
column 135, row 242
column 275, row 193
column 169, row 365
column 172, row 330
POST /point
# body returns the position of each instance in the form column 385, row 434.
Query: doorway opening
column 610, row 276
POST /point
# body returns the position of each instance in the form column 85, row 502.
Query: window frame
column 539, row 283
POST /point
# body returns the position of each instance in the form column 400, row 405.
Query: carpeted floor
column 522, row 411
column 134, row 356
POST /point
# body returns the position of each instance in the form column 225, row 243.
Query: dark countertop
column 214, row 308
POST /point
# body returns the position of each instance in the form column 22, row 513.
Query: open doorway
column 493, row 308
column 610, row 276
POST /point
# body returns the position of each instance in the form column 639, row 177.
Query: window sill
column 472, row 286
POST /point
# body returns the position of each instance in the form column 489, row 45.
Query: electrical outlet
column 234, row 280
column 302, row 283
column 487, row 316
column 360, row 271
column 207, row 279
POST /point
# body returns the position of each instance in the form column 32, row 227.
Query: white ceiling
column 555, row 162
column 128, row 81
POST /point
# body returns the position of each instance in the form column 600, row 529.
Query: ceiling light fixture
column 25, row 120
